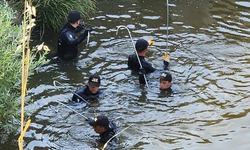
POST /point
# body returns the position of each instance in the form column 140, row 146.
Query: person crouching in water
column 106, row 128
column 90, row 92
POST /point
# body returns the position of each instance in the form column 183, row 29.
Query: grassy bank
column 11, row 68
column 52, row 14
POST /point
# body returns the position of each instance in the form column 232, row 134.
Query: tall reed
column 11, row 67
column 27, row 57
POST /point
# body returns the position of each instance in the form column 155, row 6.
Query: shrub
column 52, row 14
column 11, row 67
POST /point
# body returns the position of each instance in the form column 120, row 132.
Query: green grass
column 11, row 67
column 52, row 14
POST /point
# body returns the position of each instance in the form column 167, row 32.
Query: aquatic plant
column 52, row 14
column 11, row 67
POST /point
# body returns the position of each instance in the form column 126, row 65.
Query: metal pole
column 54, row 83
column 167, row 25
column 122, row 26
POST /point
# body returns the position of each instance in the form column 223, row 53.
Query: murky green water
column 210, row 64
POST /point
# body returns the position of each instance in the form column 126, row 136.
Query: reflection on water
column 210, row 67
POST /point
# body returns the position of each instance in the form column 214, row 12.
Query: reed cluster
column 11, row 41
column 52, row 14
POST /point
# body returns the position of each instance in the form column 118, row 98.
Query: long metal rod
column 88, row 39
column 54, row 83
column 122, row 26
column 167, row 25
column 106, row 144
column 71, row 109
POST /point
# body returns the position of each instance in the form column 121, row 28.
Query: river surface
column 209, row 108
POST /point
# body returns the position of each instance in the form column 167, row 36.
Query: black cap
column 100, row 120
column 165, row 76
column 94, row 80
column 74, row 16
column 141, row 45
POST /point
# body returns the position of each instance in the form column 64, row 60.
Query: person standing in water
column 141, row 47
column 67, row 40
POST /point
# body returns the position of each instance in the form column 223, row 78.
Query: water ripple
column 210, row 66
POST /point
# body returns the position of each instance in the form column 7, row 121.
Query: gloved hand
column 166, row 61
column 150, row 42
column 79, row 28
column 86, row 31
column 142, row 71
column 166, row 57
column 89, row 119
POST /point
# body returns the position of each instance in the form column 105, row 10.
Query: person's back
column 66, row 50
column 134, row 65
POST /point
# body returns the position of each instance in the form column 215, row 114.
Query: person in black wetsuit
column 90, row 92
column 141, row 47
column 106, row 128
column 67, row 40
